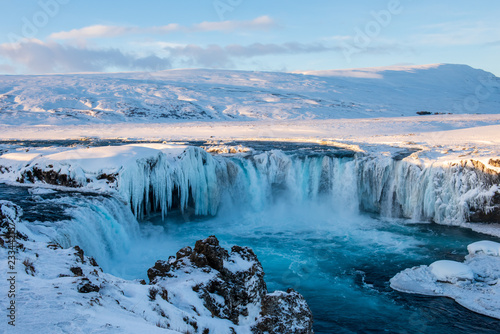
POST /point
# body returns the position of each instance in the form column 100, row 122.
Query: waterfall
column 198, row 181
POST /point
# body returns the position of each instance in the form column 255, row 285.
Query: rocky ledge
column 231, row 286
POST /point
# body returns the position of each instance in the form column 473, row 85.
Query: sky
column 66, row 36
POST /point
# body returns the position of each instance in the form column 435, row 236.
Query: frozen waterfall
column 199, row 182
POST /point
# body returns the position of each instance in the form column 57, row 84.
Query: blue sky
column 60, row 36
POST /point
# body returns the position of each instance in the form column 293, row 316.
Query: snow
column 451, row 271
column 236, row 263
column 222, row 95
column 487, row 247
column 474, row 284
column 41, row 191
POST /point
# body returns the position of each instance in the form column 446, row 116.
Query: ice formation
column 475, row 283
column 160, row 177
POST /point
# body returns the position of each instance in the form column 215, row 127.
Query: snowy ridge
column 160, row 178
column 220, row 95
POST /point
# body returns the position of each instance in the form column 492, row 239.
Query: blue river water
column 341, row 263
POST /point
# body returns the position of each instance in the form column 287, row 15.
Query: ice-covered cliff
column 161, row 178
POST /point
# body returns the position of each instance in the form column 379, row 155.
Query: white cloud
column 259, row 23
column 104, row 31
column 95, row 31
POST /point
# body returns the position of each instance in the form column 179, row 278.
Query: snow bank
column 474, row 284
column 486, row 247
column 451, row 271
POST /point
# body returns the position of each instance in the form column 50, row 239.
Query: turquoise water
column 341, row 264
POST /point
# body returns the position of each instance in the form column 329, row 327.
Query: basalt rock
column 284, row 312
column 494, row 162
column 10, row 214
column 48, row 176
column 234, row 287
column 86, row 286
column 160, row 269
column 487, row 213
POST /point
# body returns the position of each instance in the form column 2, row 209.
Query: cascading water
column 382, row 185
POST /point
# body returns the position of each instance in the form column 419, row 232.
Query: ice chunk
column 451, row 271
column 485, row 246
column 41, row 191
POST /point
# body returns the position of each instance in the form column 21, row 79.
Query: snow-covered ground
column 217, row 95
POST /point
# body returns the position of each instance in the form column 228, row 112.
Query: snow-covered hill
column 193, row 94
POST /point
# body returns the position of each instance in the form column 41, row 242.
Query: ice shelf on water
column 475, row 283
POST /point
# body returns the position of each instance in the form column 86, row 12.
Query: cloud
column 4, row 68
column 35, row 56
column 222, row 56
column 259, row 23
column 95, row 31
column 104, row 31
column 40, row 57
column 456, row 34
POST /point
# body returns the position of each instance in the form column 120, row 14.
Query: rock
column 110, row 178
column 186, row 251
column 486, row 213
column 47, row 176
column 233, row 285
column 284, row 312
column 86, row 286
column 10, row 214
column 160, row 269
column 494, row 162
column 77, row 271
column 79, row 253
column 210, row 249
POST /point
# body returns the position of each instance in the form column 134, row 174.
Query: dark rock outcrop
column 486, row 213
column 284, row 312
column 86, row 286
column 235, row 284
column 494, row 162
column 9, row 217
column 160, row 269
column 47, row 176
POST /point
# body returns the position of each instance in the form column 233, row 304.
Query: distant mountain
column 222, row 95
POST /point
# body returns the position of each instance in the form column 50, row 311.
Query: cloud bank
column 40, row 57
